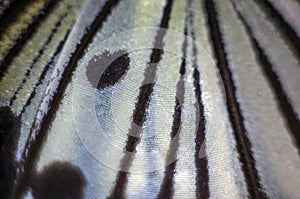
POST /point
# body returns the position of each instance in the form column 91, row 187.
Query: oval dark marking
column 40, row 127
column 107, row 69
column 58, row 180
column 9, row 135
column 141, row 106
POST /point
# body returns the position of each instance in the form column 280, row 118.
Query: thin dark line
column 243, row 143
column 45, row 70
column 37, row 57
column 33, row 144
column 201, row 163
column 267, row 67
column 167, row 185
column 19, row 43
column 139, row 114
column 286, row 31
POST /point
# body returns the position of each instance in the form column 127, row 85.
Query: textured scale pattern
column 149, row 99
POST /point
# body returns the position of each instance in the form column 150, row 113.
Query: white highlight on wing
column 98, row 153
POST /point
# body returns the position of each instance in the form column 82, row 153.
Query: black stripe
column 286, row 31
column 201, row 163
column 33, row 144
column 282, row 99
column 167, row 185
column 45, row 70
column 243, row 143
column 37, row 57
column 26, row 34
column 139, row 114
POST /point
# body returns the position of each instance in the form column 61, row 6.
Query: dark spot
column 107, row 69
column 9, row 135
column 59, row 180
